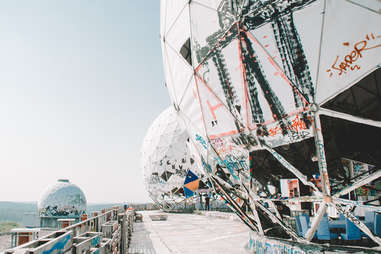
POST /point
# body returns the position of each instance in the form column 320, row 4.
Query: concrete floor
column 5, row 242
column 188, row 233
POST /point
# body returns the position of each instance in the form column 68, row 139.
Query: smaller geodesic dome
column 63, row 199
column 166, row 160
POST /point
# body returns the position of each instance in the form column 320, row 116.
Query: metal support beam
column 357, row 222
column 276, row 220
column 243, row 215
column 320, row 152
column 316, row 221
column 359, row 183
column 348, row 117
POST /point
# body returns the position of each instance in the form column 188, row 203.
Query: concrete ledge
column 158, row 217
column 220, row 215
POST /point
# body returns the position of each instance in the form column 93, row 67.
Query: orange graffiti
column 274, row 131
column 213, row 108
column 348, row 62
column 297, row 125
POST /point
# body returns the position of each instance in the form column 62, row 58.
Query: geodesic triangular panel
column 166, row 175
column 166, row 158
column 188, row 193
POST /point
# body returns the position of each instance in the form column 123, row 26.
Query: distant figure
column 201, row 206
column 207, row 199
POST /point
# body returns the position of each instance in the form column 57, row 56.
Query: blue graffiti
column 206, row 165
column 202, row 141
column 232, row 165
column 95, row 241
column 59, row 246
column 269, row 247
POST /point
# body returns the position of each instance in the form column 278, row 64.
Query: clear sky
column 80, row 83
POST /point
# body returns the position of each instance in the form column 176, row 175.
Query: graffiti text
column 349, row 61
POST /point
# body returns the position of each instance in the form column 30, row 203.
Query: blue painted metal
column 322, row 232
column 337, row 224
column 352, row 232
column 298, row 226
column 305, row 223
column 58, row 246
column 377, row 224
column 369, row 222
column 370, row 216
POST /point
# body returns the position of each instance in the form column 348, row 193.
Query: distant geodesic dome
column 62, row 199
column 165, row 159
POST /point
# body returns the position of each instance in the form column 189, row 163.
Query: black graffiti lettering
column 296, row 69
column 244, row 139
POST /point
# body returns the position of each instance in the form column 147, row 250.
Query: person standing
column 207, row 199
column 201, row 201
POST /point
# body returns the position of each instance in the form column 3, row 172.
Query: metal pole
column 315, row 223
column 320, row 152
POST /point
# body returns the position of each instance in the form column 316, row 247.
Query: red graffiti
column 275, row 131
column 349, row 61
column 297, row 125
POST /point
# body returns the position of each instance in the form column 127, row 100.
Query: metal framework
column 253, row 129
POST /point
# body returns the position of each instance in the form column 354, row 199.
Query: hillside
column 14, row 211
column 7, row 226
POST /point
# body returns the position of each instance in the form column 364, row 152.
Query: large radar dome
column 278, row 113
column 62, row 199
column 166, row 160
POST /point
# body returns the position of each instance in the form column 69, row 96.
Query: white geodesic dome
column 165, row 158
column 62, row 199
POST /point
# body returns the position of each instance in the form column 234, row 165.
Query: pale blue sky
column 80, row 83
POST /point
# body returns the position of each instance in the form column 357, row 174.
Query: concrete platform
column 188, row 233
column 5, row 242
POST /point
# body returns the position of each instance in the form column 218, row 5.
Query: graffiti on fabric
column 297, row 129
column 202, row 141
column 348, row 63
column 296, row 126
column 221, row 146
column 243, row 139
column 233, row 164
column 228, row 154
column 216, row 50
